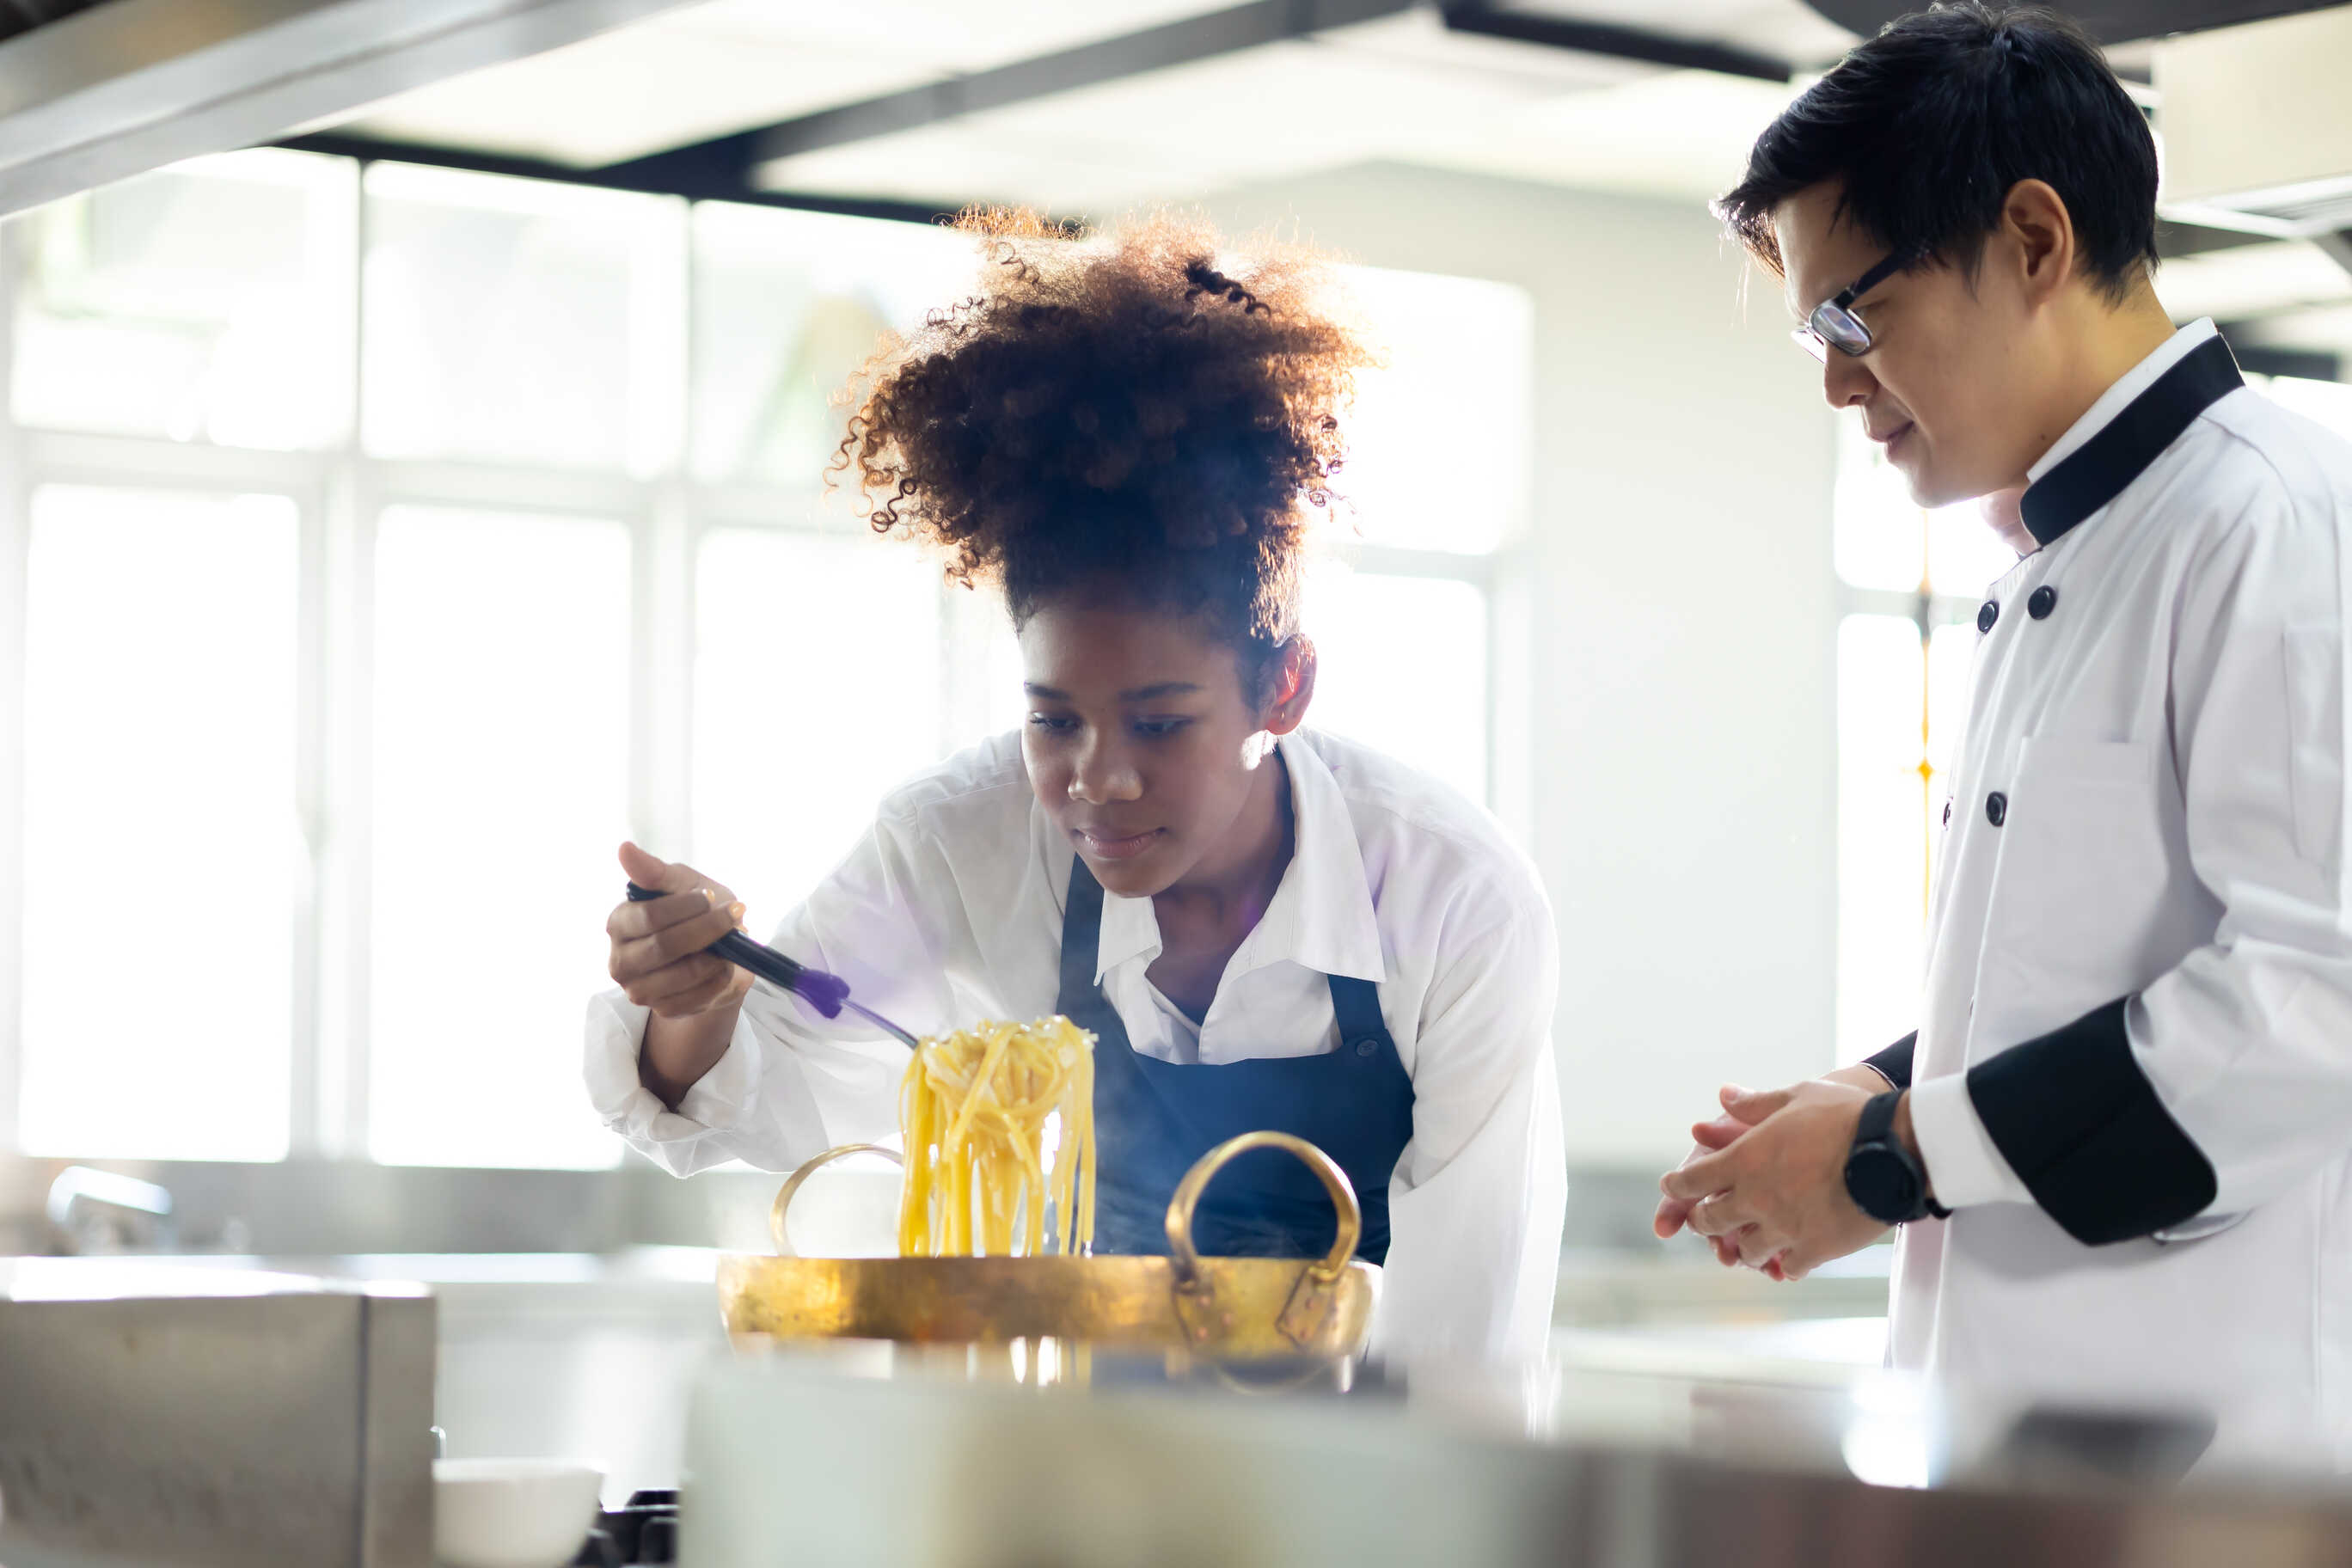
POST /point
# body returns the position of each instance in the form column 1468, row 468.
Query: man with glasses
column 2119, row 1147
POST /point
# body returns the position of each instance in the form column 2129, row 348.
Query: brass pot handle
column 809, row 1168
column 1196, row 1181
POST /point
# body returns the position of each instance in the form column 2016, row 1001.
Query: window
column 501, row 707
column 1437, row 444
column 1421, row 698
column 1431, row 498
column 1912, row 581
column 163, row 861
column 817, row 687
column 208, row 303
column 790, row 303
column 518, row 321
column 390, row 543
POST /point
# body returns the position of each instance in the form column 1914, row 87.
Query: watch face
column 1881, row 1184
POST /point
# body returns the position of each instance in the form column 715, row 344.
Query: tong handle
column 824, row 992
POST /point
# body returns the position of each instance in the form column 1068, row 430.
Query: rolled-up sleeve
column 792, row 1083
column 1477, row 1200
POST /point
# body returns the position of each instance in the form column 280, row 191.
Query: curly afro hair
column 1116, row 413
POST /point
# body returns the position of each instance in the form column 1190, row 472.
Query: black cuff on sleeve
column 1894, row 1063
column 2084, row 1129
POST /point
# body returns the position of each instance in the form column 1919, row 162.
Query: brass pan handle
column 1196, row 1181
column 792, row 1184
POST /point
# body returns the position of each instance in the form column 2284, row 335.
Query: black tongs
column 828, row 994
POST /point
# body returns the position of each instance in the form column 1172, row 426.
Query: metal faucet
column 89, row 1208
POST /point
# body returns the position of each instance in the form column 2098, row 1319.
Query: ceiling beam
column 2175, row 238
column 1482, row 16
column 2338, row 246
column 735, row 158
column 371, row 149
column 121, row 88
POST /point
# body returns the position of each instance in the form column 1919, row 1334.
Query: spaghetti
column 975, row 1107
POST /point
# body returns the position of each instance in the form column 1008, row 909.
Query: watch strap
column 1876, row 1126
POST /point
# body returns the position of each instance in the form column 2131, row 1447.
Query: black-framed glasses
column 1834, row 324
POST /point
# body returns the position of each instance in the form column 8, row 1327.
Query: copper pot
column 1224, row 1308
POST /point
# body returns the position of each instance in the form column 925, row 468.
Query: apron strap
column 1356, row 1003
column 1081, row 940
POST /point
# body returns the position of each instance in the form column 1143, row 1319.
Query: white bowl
column 512, row 1514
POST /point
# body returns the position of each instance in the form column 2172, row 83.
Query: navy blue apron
column 1154, row 1119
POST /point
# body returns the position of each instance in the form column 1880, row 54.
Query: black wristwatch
column 1884, row 1182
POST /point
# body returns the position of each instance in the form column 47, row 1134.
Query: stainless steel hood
column 125, row 86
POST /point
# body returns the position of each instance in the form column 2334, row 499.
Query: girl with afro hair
column 1128, row 434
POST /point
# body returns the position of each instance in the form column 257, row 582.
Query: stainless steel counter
column 149, row 1413
column 1665, row 1438
column 556, row 1355
column 1579, row 1463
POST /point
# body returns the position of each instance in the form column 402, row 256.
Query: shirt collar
column 2128, row 428
column 1321, row 914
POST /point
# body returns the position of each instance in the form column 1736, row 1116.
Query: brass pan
column 1223, row 1307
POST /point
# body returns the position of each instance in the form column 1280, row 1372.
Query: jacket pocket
column 2079, row 911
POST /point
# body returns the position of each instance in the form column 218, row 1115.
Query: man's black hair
column 1928, row 125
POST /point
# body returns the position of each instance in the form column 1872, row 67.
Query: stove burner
column 645, row 1531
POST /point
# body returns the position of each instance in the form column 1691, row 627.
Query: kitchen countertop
column 1586, row 1461
column 1675, row 1415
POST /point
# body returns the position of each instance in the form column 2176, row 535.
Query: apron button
column 1990, row 613
column 2044, row 600
column 1996, row 809
column 1368, row 1046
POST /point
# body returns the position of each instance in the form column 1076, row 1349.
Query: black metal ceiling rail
column 725, row 168
column 23, row 16
column 1185, row 42
column 1613, row 41
column 370, row 149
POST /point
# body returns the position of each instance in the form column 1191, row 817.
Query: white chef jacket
column 950, row 910
column 2133, row 1076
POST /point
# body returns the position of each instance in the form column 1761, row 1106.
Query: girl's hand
column 657, row 946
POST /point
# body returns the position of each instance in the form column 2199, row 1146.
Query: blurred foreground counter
column 152, row 1415
column 860, row 1454
column 180, row 1412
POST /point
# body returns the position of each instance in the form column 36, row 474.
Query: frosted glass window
column 1951, row 661
column 501, row 787
column 210, row 301
column 1439, row 440
column 787, row 305
column 1883, row 795
column 1876, row 539
column 1004, row 700
column 817, row 687
column 518, row 321
column 159, row 717
column 1883, row 540
column 1964, row 554
column 1421, row 698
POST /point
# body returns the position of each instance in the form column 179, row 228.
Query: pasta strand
column 975, row 1108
